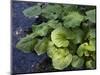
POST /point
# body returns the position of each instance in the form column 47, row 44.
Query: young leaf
column 32, row 11
column 90, row 46
column 84, row 48
column 73, row 19
column 91, row 15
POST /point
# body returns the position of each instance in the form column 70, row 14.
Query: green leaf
column 54, row 24
column 86, row 53
column 77, row 62
column 93, row 55
column 41, row 46
column 91, row 15
column 92, row 43
column 79, row 35
column 51, row 50
column 68, row 9
column 32, row 11
column 27, row 43
column 72, row 47
column 59, row 37
column 91, row 34
column 41, row 30
column 90, row 64
column 84, row 48
column 61, row 51
column 90, row 46
column 60, row 61
column 61, row 58
column 73, row 19
column 81, row 49
column 68, row 60
column 51, row 11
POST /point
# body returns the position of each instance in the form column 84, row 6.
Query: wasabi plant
column 68, row 36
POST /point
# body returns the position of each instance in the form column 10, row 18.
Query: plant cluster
column 67, row 36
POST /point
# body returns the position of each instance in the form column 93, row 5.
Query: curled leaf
column 91, row 45
column 81, row 49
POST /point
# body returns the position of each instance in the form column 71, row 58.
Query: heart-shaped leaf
column 61, row 60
